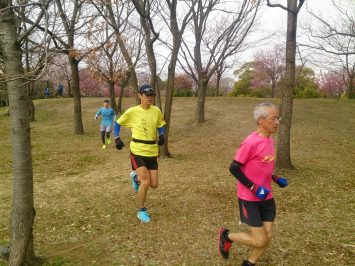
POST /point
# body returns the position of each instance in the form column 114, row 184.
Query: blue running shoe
column 143, row 215
column 135, row 184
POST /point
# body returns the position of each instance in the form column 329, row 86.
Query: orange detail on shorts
column 245, row 212
column 134, row 162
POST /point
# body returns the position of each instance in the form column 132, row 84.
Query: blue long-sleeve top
column 108, row 115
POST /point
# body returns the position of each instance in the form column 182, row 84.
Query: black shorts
column 254, row 213
column 151, row 163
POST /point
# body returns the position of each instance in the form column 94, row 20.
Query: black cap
column 146, row 89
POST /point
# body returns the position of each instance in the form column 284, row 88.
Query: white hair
column 261, row 110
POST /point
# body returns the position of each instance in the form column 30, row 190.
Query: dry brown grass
column 86, row 211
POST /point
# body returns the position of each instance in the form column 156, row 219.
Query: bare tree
column 107, row 63
column 35, row 47
column 11, row 52
column 213, row 46
column 272, row 62
column 222, row 68
column 69, row 19
column 335, row 36
column 283, row 158
column 144, row 9
column 76, row 19
column 36, row 60
column 168, row 11
column 59, row 70
column 118, row 14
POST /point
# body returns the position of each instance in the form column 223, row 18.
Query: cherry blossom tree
column 272, row 64
column 332, row 84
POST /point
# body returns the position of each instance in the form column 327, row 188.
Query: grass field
column 86, row 209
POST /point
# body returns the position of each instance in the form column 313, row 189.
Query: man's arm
column 239, row 175
column 259, row 191
column 161, row 132
column 98, row 113
column 117, row 129
column 114, row 116
column 118, row 141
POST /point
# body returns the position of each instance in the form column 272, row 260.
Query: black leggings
column 103, row 136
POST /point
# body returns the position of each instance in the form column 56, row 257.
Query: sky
column 273, row 22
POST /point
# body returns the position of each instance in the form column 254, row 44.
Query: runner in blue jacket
column 108, row 116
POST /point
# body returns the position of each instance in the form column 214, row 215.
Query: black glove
column 119, row 144
column 161, row 140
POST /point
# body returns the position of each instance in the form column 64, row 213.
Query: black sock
column 107, row 135
column 136, row 179
column 226, row 233
column 248, row 263
column 103, row 137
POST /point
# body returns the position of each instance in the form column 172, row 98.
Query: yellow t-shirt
column 144, row 124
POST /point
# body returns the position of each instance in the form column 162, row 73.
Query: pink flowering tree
column 332, row 84
column 269, row 67
column 88, row 85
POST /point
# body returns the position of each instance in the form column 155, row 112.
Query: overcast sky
column 273, row 21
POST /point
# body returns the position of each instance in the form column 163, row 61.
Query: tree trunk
column 123, row 86
column 164, row 149
column 111, row 87
column 149, row 47
column 30, row 86
column 350, row 86
column 154, row 81
column 69, row 89
column 218, row 81
column 31, row 106
column 153, row 73
column 273, row 85
column 134, row 83
column 78, row 121
column 202, row 78
column 119, row 103
column 22, row 213
column 129, row 62
column 201, row 98
column 283, row 159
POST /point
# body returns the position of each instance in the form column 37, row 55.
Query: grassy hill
column 86, row 209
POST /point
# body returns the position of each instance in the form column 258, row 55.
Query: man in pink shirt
column 253, row 167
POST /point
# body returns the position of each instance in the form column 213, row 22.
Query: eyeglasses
column 274, row 118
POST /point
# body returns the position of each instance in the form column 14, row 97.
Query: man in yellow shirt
column 145, row 121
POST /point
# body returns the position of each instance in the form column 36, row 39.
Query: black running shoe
column 224, row 243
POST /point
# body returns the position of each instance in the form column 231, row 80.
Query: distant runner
column 145, row 121
column 253, row 167
column 60, row 90
column 46, row 93
column 108, row 116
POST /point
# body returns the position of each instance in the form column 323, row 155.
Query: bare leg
column 144, row 179
column 256, row 238
column 256, row 253
column 154, row 182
